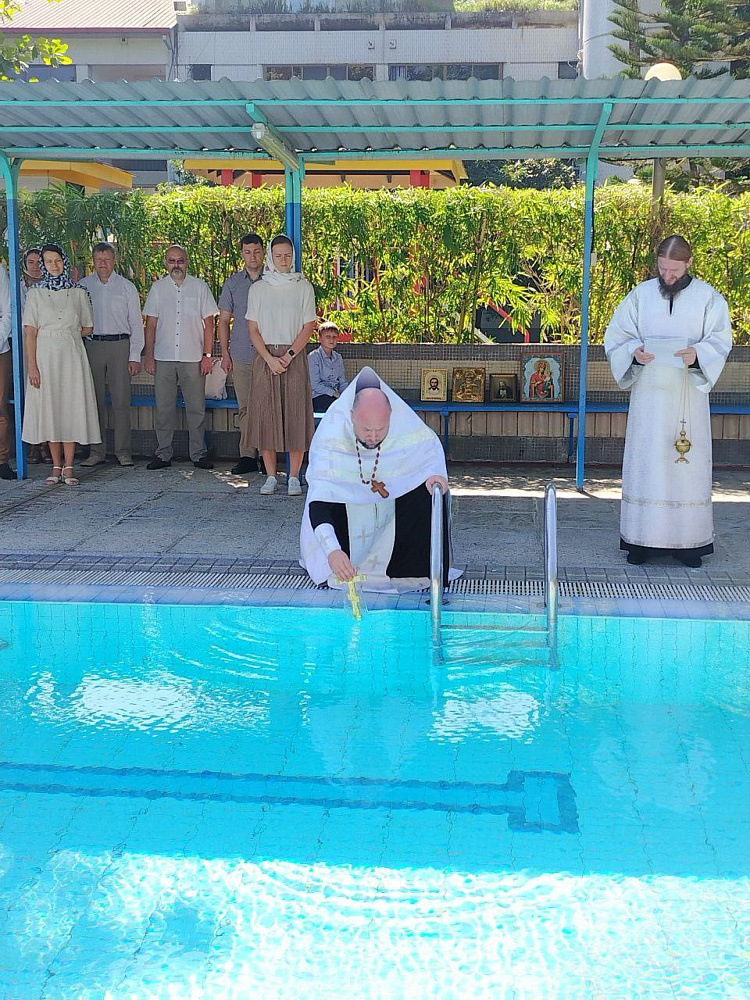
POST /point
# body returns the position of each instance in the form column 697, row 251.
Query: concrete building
column 221, row 40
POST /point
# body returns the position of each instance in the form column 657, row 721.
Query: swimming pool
column 282, row 803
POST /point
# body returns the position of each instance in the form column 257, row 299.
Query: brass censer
column 682, row 445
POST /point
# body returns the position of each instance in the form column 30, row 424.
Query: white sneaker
column 269, row 486
column 293, row 488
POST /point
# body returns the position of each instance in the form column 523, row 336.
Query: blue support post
column 297, row 237
column 289, row 192
column 592, row 169
column 10, row 170
column 293, row 183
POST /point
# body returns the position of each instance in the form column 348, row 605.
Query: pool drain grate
column 604, row 590
column 586, row 589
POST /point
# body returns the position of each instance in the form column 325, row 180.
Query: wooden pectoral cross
column 377, row 487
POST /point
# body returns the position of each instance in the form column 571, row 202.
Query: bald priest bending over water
column 373, row 466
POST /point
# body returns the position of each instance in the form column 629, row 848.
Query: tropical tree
column 19, row 52
column 695, row 35
column 692, row 34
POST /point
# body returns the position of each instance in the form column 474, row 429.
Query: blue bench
column 445, row 409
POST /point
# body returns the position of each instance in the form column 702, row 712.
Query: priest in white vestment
column 373, row 466
column 667, row 342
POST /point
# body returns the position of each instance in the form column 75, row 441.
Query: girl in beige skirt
column 60, row 399
column 281, row 318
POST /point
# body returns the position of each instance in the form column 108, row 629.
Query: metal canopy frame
column 300, row 122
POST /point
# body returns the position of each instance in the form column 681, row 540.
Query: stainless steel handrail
column 551, row 587
column 436, row 558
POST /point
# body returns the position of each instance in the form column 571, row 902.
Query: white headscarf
column 409, row 455
column 280, row 279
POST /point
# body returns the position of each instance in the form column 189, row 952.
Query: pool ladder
column 436, row 560
column 551, row 586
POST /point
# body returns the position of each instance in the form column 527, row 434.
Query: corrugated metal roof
column 73, row 16
column 324, row 119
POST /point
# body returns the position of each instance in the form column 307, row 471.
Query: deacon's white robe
column 667, row 504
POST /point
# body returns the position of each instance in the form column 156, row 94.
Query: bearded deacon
column 373, row 466
column 667, row 342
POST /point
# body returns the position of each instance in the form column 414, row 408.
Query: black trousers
column 411, row 548
column 321, row 403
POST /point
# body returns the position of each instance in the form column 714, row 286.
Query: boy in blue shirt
column 326, row 368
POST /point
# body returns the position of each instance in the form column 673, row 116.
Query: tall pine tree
column 692, row 34
column 695, row 35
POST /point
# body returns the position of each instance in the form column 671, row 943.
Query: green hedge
column 409, row 265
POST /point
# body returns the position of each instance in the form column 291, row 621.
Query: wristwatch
column 290, row 351
column 208, row 355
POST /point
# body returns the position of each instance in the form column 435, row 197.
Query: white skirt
column 666, row 504
column 63, row 408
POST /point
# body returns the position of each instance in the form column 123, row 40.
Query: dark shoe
column 204, row 463
column 35, row 455
column 636, row 558
column 691, row 561
column 244, row 466
column 159, row 463
column 6, row 472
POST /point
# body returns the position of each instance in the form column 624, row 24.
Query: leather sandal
column 69, row 480
column 52, row 479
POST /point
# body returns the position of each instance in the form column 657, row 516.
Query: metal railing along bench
column 570, row 409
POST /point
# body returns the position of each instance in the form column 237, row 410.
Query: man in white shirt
column 114, row 349
column 5, row 376
column 179, row 311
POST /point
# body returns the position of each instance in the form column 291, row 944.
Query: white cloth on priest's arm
column 409, row 455
column 699, row 318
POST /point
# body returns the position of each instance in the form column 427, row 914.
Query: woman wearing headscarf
column 60, row 399
column 32, row 273
column 667, row 342
column 281, row 318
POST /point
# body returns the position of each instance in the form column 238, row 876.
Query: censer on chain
column 683, row 444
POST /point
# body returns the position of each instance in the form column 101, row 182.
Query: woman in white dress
column 281, row 318
column 60, row 399
column 668, row 341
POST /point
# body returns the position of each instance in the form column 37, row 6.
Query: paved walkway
column 184, row 516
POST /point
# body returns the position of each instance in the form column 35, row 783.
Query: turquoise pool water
column 217, row 802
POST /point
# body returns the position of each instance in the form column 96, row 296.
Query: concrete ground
column 138, row 517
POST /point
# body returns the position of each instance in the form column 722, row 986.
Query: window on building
column 65, row 74
column 315, row 72
column 567, row 71
column 200, row 71
column 282, row 72
column 480, row 71
column 446, row 71
column 360, row 72
column 133, row 74
column 321, row 71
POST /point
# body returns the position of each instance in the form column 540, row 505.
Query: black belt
column 110, row 337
